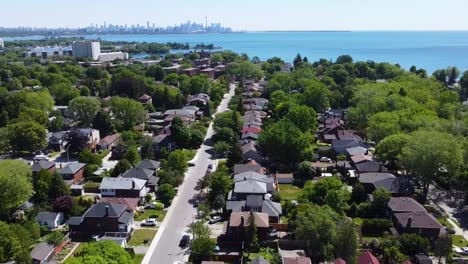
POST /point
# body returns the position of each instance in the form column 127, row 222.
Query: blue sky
column 244, row 14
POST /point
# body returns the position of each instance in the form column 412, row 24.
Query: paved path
column 164, row 248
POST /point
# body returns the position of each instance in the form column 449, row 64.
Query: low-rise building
column 50, row 220
column 123, row 187
column 73, row 173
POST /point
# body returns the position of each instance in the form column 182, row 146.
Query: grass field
column 138, row 258
column 289, row 191
column 140, row 235
column 443, row 221
column 151, row 213
column 459, row 241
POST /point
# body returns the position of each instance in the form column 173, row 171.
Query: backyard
column 141, row 235
column 151, row 213
column 289, row 192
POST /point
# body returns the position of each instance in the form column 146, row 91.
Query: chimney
column 60, row 165
column 133, row 184
column 410, row 221
column 107, row 210
column 242, row 221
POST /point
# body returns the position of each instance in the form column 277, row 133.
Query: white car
column 325, row 159
column 149, row 222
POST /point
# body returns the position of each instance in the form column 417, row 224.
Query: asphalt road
column 165, row 246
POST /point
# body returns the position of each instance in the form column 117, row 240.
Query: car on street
column 184, row 241
column 191, row 164
column 210, row 167
column 149, row 222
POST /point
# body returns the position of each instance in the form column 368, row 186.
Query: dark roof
column 254, row 201
column 235, row 206
column 46, row 216
column 43, row 164
column 99, row 210
column 387, row 181
column 239, row 168
column 370, row 166
column 42, row 251
column 75, row 221
column 271, row 208
column 153, row 181
column 420, row 220
column 422, row 259
column 125, row 218
column 72, row 168
column 131, row 203
column 249, row 135
column 404, row 204
column 149, row 164
column 139, row 173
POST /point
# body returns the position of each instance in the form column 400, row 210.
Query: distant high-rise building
column 2, row 45
column 105, row 24
column 86, row 49
column 147, row 25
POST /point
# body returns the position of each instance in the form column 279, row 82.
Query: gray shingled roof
column 75, row 221
column 99, row 210
column 250, row 186
column 42, row 251
column 149, row 164
column 43, row 164
column 235, row 206
column 72, row 168
column 405, row 204
column 125, row 218
column 138, row 173
column 254, row 200
column 46, row 216
column 272, row 208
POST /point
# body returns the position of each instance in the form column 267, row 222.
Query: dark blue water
column 429, row 49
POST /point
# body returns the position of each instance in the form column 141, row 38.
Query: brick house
column 73, row 172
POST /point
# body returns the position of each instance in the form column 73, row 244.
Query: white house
column 49, row 219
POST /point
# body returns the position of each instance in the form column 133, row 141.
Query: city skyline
column 243, row 14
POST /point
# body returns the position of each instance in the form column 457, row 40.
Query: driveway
column 165, row 246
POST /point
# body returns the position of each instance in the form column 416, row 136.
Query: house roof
column 249, row 135
column 356, row 150
column 74, row 221
column 99, row 210
column 43, row 164
column 59, row 134
column 284, row 176
column 144, row 97
column 421, row 220
column 47, row 216
column 180, row 112
column 250, row 186
column 138, row 173
column 160, row 138
column 235, row 206
column 367, row 258
column 248, row 175
column 261, row 219
column 297, row 260
column 404, row 204
column 126, row 217
column 358, row 158
column 109, row 139
column 122, row 183
column 239, row 168
column 254, row 201
column 339, row 261
column 249, row 146
column 149, row 164
column 130, row 203
column 42, row 251
column 72, row 168
column 370, row 166
column 272, row 208
column 372, row 177
column 422, row 259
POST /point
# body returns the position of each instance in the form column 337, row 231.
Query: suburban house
column 142, row 174
column 396, row 186
column 163, row 142
column 296, row 260
column 42, row 253
column 357, row 151
column 190, row 71
column 149, row 165
column 145, row 99
column 251, row 128
column 250, row 136
column 238, row 221
column 73, row 172
column 57, row 140
column 250, row 166
column 370, row 166
column 43, row 165
column 93, row 137
column 131, row 203
column 50, row 220
column 123, row 187
column 187, row 116
column 250, row 175
column 339, row 146
column 102, row 218
column 250, row 152
column 422, row 223
column 109, row 141
column 403, row 205
column 367, row 258
column 284, row 178
column 257, row 203
column 199, row 100
column 244, row 188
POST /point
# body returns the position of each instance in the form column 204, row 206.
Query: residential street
column 165, row 246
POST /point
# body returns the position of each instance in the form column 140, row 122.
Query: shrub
column 375, row 227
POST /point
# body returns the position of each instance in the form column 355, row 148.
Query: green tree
column 84, row 109
column 443, row 247
column 359, row 193
column 41, row 185
column 381, row 198
column 329, row 191
column 389, row 149
column 165, row 193
column 102, row 122
column 33, row 115
column 221, row 148
column 156, row 72
column 303, row 117
column 127, row 112
column 104, row 251
column 180, row 133
column 54, row 238
column 428, row 153
column 383, row 124
column 225, row 134
column 27, row 136
column 15, row 185
column 234, row 155
column 219, row 184
column 86, row 156
column 245, row 70
column 413, row 243
column 58, row 187
column 346, row 241
column 251, row 234
column 132, row 156
column 453, row 74
column 177, row 161
column 317, row 227
column 121, row 167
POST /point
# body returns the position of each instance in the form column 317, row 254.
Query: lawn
column 140, row 235
column 443, row 221
column 459, row 241
column 138, row 258
column 189, row 153
column 151, row 213
column 358, row 221
column 289, row 191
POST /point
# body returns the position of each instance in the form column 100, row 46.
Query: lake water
column 430, row 50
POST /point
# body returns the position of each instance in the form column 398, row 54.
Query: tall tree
column 303, row 117
column 133, row 156
column 15, row 185
column 251, row 234
column 234, row 155
column 41, row 186
column 329, row 191
column 180, row 133
column 58, row 187
column 27, row 136
column 177, row 161
column 121, row 167
column 165, row 193
column 127, row 112
column 104, row 251
column 102, row 122
column 443, row 247
column 346, row 241
column 84, row 109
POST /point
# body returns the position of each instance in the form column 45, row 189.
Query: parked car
column 214, row 220
column 40, row 157
column 149, row 222
column 150, row 205
column 325, row 159
column 210, row 167
column 184, row 241
column 191, row 164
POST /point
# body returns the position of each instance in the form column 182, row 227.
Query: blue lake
column 430, row 50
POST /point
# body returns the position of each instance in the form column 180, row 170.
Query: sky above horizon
column 243, row 14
